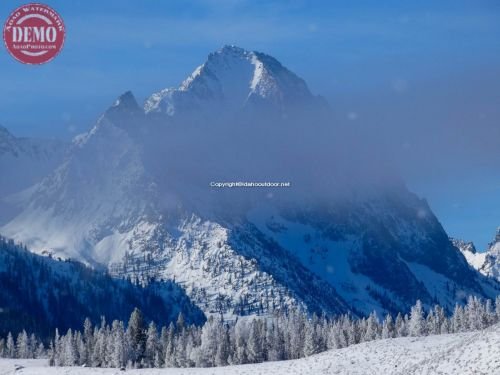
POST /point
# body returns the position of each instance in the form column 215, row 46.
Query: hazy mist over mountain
column 415, row 84
column 152, row 193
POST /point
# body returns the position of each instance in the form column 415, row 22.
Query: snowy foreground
column 463, row 353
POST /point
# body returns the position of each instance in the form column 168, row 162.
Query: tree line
column 40, row 294
column 290, row 335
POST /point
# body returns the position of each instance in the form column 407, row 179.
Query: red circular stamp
column 34, row 33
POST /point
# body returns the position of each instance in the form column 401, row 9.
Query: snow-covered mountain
column 488, row 262
column 491, row 266
column 235, row 79
column 473, row 257
column 132, row 195
column 23, row 162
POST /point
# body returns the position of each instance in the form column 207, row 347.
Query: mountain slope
column 40, row 294
column 134, row 195
column 491, row 266
column 380, row 252
column 102, row 206
column 23, row 162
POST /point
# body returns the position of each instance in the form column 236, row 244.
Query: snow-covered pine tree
column 241, row 338
column 88, row 340
column 192, row 342
column 209, row 342
column 416, row 325
column 296, row 329
column 388, row 331
column 223, row 349
column 333, row 340
column 352, row 330
column 152, row 345
column 440, row 321
column 57, row 348
column 22, row 345
column 371, row 331
column 489, row 314
column 162, row 346
column 98, row 358
column 40, row 350
column 136, row 334
column 458, row 323
column 2, row 348
column 168, row 343
column 52, row 354
column 180, row 324
column 68, row 353
column 119, row 348
column 400, row 326
column 255, row 344
column 33, row 344
column 321, row 331
column 80, row 349
column 311, row 340
column 180, row 348
column 473, row 313
column 275, row 342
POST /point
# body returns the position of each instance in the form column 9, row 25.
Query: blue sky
column 426, row 72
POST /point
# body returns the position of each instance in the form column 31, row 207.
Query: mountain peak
column 495, row 244
column 232, row 49
column 123, row 114
column 123, row 107
column 126, row 100
column 232, row 79
column 496, row 240
column 491, row 266
column 463, row 246
column 488, row 262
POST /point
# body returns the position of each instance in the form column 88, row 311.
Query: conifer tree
column 388, row 327
column 136, row 334
column 22, row 345
column 416, row 322
column 152, row 344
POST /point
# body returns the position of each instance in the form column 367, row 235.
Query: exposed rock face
column 488, row 262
